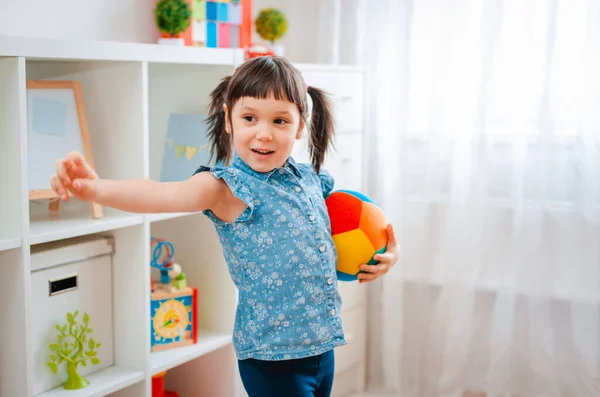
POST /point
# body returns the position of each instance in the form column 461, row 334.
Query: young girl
column 271, row 218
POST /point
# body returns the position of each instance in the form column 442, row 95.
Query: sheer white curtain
column 485, row 148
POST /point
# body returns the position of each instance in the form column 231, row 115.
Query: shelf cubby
column 177, row 88
column 204, row 370
column 129, row 277
column 202, row 261
column 114, row 96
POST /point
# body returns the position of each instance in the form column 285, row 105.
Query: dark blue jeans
column 304, row 377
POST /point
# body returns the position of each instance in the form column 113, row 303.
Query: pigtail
column 321, row 127
column 220, row 140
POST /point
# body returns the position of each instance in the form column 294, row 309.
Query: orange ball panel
column 374, row 224
column 354, row 249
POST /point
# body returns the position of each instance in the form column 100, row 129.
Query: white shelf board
column 102, row 383
column 9, row 243
column 46, row 228
column 168, row 215
column 62, row 49
column 207, row 342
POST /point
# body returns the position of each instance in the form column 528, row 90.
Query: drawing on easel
column 186, row 146
column 57, row 125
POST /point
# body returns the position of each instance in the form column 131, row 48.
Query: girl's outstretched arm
column 74, row 175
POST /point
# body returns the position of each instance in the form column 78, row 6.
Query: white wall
column 302, row 37
column 309, row 38
column 112, row 20
column 314, row 29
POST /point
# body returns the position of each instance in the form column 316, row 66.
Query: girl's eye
column 280, row 121
column 249, row 118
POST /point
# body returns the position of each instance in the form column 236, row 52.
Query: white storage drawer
column 65, row 277
column 355, row 328
column 347, row 91
column 344, row 163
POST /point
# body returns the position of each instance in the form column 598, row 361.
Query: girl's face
column 264, row 131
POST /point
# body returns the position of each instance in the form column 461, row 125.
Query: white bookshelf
column 129, row 92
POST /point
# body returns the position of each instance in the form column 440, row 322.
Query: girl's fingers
column 78, row 166
column 365, row 277
column 58, row 187
column 385, row 258
column 63, row 174
column 381, row 268
column 391, row 236
column 75, row 157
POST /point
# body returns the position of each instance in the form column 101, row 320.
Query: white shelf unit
column 129, row 91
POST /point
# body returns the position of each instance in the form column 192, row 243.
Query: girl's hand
column 386, row 260
column 74, row 175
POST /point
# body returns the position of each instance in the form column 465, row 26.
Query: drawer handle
column 62, row 285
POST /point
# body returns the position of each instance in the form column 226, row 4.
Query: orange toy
column 158, row 386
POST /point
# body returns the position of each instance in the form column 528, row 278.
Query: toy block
column 234, row 12
column 199, row 33
column 234, row 36
column 211, row 34
column 247, row 24
column 222, row 12
column 224, row 33
column 212, row 11
column 199, row 10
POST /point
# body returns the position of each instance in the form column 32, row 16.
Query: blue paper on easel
column 186, row 146
column 49, row 117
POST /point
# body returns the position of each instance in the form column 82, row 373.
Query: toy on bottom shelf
column 359, row 231
column 158, row 386
column 70, row 347
column 173, row 304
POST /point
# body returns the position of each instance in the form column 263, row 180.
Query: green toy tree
column 271, row 24
column 70, row 347
column 172, row 16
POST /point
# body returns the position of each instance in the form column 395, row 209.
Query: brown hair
column 258, row 78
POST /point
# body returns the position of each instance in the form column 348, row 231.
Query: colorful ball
column 358, row 228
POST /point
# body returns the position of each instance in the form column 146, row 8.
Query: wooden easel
column 75, row 86
column 54, row 204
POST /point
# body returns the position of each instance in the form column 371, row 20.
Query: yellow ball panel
column 354, row 249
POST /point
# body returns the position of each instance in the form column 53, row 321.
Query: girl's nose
column 264, row 134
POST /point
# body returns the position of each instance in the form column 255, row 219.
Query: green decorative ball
column 271, row 24
column 172, row 16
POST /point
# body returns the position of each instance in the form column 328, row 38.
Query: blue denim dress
column 282, row 260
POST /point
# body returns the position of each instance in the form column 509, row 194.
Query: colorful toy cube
column 219, row 24
column 173, row 318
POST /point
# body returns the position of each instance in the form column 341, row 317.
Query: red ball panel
column 344, row 212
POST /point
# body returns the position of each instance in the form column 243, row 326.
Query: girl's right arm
column 200, row 192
